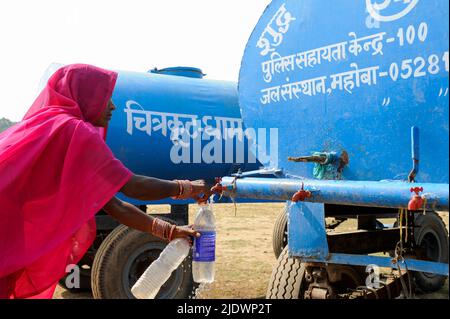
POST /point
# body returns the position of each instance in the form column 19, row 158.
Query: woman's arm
column 131, row 216
column 150, row 188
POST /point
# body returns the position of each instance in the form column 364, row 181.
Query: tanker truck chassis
column 318, row 263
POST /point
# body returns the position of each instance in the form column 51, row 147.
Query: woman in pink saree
column 56, row 173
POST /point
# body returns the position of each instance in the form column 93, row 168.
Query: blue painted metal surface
column 415, row 151
column 306, row 230
column 363, row 260
column 361, row 193
column 415, row 144
column 172, row 127
column 331, row 77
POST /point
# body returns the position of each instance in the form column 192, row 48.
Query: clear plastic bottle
column 203, row 258
column 159, row 271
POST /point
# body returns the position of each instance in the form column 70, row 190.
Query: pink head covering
column 79, row 89
column 56, row 174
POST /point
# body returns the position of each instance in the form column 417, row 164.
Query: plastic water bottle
column 204, row 246
column 159, row 271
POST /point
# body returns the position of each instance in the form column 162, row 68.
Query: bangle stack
column 162, row 229
column 171, row 232
column 185, row 189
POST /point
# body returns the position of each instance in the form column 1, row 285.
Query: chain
column 407, row 227
column 399, row 255
column 400, row 223
column 232, row 198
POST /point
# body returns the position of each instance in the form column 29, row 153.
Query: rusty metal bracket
column 321, row 159
column 327, row 164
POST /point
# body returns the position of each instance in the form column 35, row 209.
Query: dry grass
column 244, row 257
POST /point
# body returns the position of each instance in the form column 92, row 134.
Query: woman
column 56, row 173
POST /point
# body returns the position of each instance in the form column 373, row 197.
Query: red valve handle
column 416, row 202
column 416, row 190
column 301, row 195
column 218, row 188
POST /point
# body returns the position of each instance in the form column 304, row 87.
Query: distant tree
column 5, row 123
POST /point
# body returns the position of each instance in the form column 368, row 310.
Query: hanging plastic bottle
column 149, row 284
column 204, row 246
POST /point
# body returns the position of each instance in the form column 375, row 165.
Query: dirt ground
column 244, row 255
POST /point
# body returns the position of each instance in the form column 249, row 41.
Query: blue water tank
column 353, row 76
column 172, row 123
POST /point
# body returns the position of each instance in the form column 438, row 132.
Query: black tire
column 431, row 235
column 122, row 258
column 280, row 233
column 288, row 278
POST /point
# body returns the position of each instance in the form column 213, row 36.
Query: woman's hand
column 186, row 232
column 201, row 191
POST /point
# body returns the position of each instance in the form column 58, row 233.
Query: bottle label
column 205, row 247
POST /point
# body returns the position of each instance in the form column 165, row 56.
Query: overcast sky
column 123, row 35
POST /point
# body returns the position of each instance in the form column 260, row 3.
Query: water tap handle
column 218, row 188
column 301, row 195
column 416, row 190
column 416, row 202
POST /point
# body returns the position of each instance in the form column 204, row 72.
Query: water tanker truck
column 358, row 94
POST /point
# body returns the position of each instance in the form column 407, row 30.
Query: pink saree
column 56, row 173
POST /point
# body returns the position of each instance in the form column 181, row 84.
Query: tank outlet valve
column 417, row 201
column 301, row 195
column 218, row 188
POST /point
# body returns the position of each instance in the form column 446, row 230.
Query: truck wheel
column 123, row 257
column 280, row 233
column 432, row 236
column 288, row 278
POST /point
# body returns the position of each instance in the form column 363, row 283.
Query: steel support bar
column 363, row 242
column 394, row 194
column 364, row 260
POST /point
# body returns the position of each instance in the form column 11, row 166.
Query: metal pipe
column 414, row 153
column 407, row 263
column 394, row 194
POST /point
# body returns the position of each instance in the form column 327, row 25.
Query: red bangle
column 171, row 232
column 161, row 228
column 180, row 189
column 185, row 189
column 153, row 224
